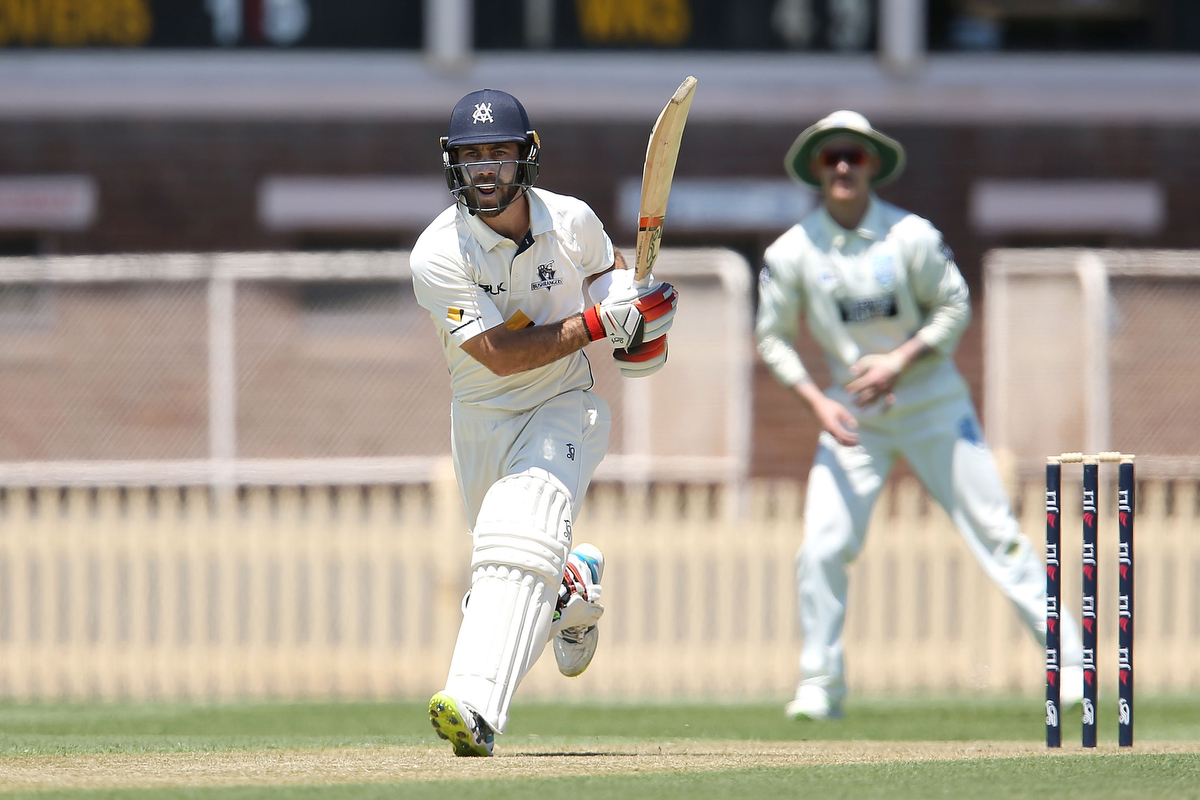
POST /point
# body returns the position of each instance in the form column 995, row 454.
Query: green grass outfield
column 959, row 747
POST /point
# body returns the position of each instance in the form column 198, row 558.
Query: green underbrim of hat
column 891, row 156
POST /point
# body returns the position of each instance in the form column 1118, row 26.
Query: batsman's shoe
column 813, row 702
column 578, row 610
column 1070, row 688
column 465, row 729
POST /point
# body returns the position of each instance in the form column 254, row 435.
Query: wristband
column 591, row 321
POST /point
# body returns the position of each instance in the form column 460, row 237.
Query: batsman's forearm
column 507, row 352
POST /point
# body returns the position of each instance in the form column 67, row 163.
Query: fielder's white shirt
column 472, row 279
column 864, row 291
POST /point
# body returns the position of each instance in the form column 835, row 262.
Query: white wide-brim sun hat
column 839, row 123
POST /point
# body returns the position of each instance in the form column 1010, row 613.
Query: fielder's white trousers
column 943, row 446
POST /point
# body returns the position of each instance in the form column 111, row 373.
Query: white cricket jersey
column 472, row 279
column 864, row 291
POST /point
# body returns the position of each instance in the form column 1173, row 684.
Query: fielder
column 883, row 297
column 518, row 281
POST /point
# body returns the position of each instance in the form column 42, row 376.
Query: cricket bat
column 661, row 155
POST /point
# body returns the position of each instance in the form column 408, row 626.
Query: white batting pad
column 522, row 538
column 525, row 521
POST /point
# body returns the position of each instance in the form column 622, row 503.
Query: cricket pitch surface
column 393, row 764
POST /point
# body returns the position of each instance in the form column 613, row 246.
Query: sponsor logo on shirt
column 493, row 290
column 546, row 277
column 864, row 309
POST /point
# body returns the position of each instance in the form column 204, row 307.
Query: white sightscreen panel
column 1113, row 367
column 290, row 203
column 1155, row 365
column 723, row 204
column 48, row 202
column 1015, row 206
column 1043, row 367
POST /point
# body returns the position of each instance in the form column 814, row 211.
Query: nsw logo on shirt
column 864, row 309
column 546, row 277
column 884, row 267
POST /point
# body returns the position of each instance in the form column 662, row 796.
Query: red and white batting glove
column 629, row 317
column 645, row 359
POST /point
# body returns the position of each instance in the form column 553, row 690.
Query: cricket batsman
column 518, row 281
column 881, row 294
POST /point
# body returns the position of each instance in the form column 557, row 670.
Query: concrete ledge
column 951, row 88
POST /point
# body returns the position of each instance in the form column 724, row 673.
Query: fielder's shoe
column 813, row 702
column 465, row 729
column 578, row 611
column 1070, row 686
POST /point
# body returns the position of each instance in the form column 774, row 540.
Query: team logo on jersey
column 885, row 270
column 546, row 277
column 865, row 309
column 483, row 113
column 570, row 451
column 492, row 290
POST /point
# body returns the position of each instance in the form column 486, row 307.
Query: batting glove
column 645, row 359
column 628, row 318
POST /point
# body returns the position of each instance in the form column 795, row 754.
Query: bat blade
column 661, row 154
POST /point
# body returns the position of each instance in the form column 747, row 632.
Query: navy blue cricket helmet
column 489, row 116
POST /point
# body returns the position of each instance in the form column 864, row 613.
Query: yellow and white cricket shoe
column 813, row 702
column 465, row 729
column 578, row 610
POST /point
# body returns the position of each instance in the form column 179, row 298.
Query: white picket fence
column 354, row 592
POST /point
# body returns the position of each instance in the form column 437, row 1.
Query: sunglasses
column 854, row 156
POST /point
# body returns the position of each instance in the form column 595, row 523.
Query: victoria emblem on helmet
column 488, row 117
